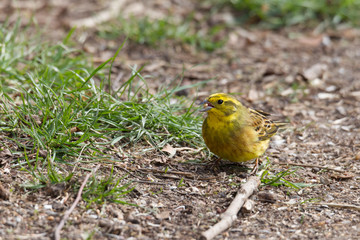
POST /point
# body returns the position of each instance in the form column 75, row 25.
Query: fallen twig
column 339, row 205
column 187, row 178
column 230, row 215
column 69, row 211
column 149, row 182
column 312, row 166
column 168, row 171
column 164, row 174
column 125, row 170
column 167, row 176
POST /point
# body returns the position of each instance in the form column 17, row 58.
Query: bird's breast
column 231, row 141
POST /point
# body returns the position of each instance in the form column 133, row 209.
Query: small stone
column 315, row 71
column 330, row 88
column 357, row 156
column 47, row 206
column 324, row 181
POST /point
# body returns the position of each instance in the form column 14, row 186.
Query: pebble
column 47, row 206
column 357, row 156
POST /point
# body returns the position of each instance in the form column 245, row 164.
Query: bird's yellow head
column 221, row 104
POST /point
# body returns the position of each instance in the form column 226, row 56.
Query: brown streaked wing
column 264, row 127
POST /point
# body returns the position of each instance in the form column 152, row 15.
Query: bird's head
column 221, row 104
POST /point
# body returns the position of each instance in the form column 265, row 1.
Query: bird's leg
column 215, row 163
column 255, row 168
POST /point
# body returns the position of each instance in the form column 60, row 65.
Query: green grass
column 107, row 189
column 55, row 109
column 279, row 179
column 159, row 32
column 280, row 13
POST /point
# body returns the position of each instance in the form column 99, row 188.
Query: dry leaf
column 5, row 153
column 268, row 196
column 163, row 215
column 75, row 129
column 169, row 149
column 312, row 41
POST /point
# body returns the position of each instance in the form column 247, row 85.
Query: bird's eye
column 220, row 101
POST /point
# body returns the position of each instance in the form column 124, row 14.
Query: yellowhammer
column 235, row 132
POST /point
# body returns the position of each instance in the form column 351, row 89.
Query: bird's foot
column 256, row 167
column 215, row 164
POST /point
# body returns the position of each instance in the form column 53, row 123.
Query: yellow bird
column 235, row 132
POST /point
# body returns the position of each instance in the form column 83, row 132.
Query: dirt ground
column 309, row 78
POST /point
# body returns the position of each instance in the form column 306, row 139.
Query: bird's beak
column 207, row 106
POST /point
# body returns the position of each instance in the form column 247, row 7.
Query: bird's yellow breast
column 231, row 139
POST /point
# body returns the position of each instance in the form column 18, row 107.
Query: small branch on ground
column 69, row 211
column 230, row 215
column 313, row 166
column 125, row 170
column 149, row 182
column 339, row 205
column 188, row 175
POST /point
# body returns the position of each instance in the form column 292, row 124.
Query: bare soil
column 311, row 79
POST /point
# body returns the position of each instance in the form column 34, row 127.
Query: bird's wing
column 264, row 127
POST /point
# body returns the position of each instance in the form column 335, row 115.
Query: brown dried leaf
column 163, row 215
column 269, row 196
column 169, row 149
column 311, row 41
column 43, row 153
column 4, row 194
column 5, row 153
column 55, row 190
column 75, row 129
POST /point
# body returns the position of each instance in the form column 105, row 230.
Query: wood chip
column 248, row 206
column 4, row 194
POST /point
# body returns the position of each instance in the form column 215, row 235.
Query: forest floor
column 311, row 79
